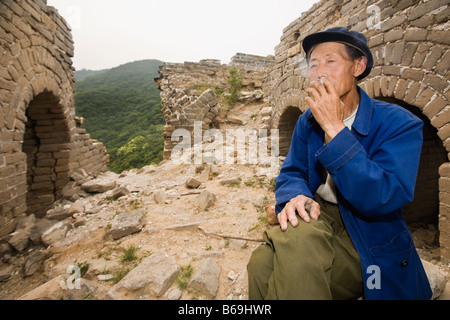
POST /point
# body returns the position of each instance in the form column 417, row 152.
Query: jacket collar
column 363, row 117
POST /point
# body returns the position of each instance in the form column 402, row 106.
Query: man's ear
column 360, row 66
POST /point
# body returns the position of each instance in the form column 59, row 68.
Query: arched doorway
column 287, row 123
column 424, row 210
column 46, row 144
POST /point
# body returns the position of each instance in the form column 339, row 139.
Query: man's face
column 330, row 60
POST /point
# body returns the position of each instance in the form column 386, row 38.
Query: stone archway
column 45, row 143
column 422, row 94
column 286, row 125
column 424, row 210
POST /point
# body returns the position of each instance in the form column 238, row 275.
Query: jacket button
column 404, row 264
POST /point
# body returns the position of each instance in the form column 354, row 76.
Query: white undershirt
column 327, row 190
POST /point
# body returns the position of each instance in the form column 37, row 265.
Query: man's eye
column 313, row 66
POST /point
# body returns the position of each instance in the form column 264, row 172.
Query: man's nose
column 321, row 71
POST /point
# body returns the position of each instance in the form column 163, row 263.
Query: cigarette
column 320, row 80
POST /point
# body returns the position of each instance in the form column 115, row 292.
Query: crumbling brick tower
column 41, row 143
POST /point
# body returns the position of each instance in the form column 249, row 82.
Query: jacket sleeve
column 293, row 178
column 383, row 181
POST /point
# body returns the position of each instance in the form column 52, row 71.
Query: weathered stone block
column 126, row 223
column 98, row 185
column 206, row 279
column 153, row 276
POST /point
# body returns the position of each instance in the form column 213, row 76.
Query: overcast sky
column 108, row 33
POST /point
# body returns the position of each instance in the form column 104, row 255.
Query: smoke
column 301, row 64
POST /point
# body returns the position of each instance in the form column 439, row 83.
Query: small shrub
column 235, row 83
column 129, row 254
column 184, row 276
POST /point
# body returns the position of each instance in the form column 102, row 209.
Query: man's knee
column 313, row 232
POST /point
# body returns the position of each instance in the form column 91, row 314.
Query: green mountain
column 122, row 109
column 82, row 74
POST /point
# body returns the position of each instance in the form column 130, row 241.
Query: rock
column 51, row 290
column 214, row 170
column 76, row 207
column 72, row 192
column 232, row 275
column 80, row 177
column 34, row 263
column 153, row 276
column 446, row 294
column 234, row 120
column 126, row 223
column 231, row 182
column 79, row 221
column 20, row 238
column 271, row 214
column 5, row 271
column 205, row 174
column 174, row 294
column 104, row 277
column 184, row 227
column 259, row 202
column 205, row 200
column 237, row 244
column 266, row 112
column 206, row 279
column 91, row 209
column 210, row 254
column 100, row 266
column 98, row 186
column 199, row 168
column 193, row 183
column 5, row 249
column 56, row 233
column 160, row 197
column 435, row 277
column 58, row 213
column 120, row 192
column 85, row 291
column 41, row 226
column 27, row 222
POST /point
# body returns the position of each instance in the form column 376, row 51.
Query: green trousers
column 313, row 261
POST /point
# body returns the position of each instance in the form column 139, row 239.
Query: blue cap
column 343, row 35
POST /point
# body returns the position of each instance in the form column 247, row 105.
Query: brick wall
column 183, row 90
column 41, row 143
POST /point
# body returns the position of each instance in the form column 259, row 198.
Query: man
column 352, row 166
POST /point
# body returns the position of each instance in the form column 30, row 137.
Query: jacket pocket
column 400, row 244
column 401, row 271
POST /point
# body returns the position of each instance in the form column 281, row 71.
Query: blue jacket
column 374, row 167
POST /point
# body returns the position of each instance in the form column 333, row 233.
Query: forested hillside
column 122, row 109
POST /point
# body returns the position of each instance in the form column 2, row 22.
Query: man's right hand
column 301, row 204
